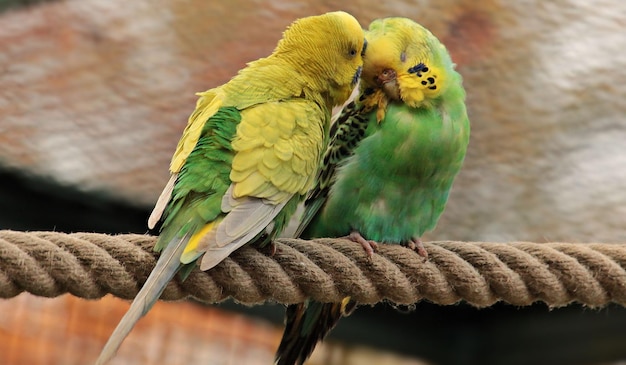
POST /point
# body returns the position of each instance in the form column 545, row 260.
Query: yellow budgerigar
column 249, row 153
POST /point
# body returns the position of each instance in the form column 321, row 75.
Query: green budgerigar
column 393, row 156
column 250, row 153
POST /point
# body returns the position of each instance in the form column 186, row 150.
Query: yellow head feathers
column 327, row 50
column 404, row 61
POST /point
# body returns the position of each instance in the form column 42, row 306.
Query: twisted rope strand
column 91, row 265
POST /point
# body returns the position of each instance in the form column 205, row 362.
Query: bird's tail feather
column 307, row 324
column 165, row 269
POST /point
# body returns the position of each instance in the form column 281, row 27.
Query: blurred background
column 94, row 95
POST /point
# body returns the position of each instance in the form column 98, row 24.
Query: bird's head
column 404, row 62
column 327, row 50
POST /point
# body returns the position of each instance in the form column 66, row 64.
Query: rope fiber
column 90, row 265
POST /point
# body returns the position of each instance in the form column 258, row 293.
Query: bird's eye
column 352, row 52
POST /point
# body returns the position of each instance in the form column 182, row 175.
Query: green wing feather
column 203, row 179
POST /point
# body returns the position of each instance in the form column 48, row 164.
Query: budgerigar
column 394, row 154
column 249, row 153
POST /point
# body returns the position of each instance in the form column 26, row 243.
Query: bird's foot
column 416, row 245
column 368, row 246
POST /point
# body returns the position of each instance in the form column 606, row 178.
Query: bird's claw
column 368, row 246
column 416, row 245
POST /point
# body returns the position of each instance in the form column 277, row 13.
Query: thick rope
column 91, row 265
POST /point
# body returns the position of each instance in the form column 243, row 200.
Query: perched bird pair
column 393, row 156
column 252, row 148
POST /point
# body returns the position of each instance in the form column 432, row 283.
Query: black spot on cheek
column 431, row 80
column 434, row 87
column 424, row 82
column 418, row 69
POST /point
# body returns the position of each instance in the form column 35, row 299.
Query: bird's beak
column 388, row 82
column 386, row 76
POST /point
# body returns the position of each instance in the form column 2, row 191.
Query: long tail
column 165, row 269
column 307, row 324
